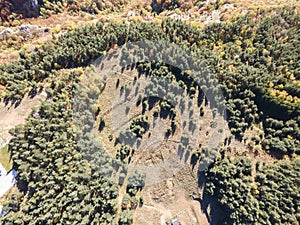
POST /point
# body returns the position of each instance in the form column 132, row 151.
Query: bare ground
column 11, row 116
column 167, row 192
column 168, row 187
column 172, row 199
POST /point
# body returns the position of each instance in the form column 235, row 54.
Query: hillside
column 124, row 112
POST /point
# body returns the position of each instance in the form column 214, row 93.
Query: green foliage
column 136, row 182
column 126, row 217
column 71, row 50
column 139, row 126
column 58, row 184
column 61, row 171
column 269, row 198
column 124, row 153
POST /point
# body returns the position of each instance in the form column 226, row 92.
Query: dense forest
column 271, row 197
column 255, row 61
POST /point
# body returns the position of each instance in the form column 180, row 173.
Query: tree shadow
column 101, row 125
column 209, row 205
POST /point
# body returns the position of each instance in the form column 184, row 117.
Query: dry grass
column 5, row 158
column 252, row 6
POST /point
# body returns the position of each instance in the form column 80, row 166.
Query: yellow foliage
column 231, row 68
column 239, row 48
column 136, row 19
column 270, row 59
column 57, row 66
column 69, row 26
column 271, row 84
column 282, row 94
column 197, row 25
column 289, row 98
column 280, row 86
column 235, row 17
column 16, row 23
column 216, row 48
column 26, row 47
column 265, row 52
column 80, row 70
column 290, row 76
column 248, row 42
column 56, row 29
column 48, row 4
column 296, row 99
column 254, row 190
column 251, row 50
column 297, row 82
column 238, row 42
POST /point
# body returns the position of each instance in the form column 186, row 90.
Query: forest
column 254, row 60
